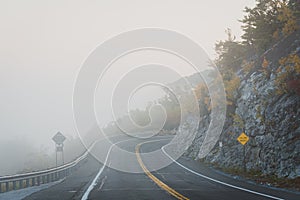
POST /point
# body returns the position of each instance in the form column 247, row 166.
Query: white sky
column 43, row 44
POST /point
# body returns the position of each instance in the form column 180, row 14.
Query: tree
column 260, row 23
column 230, row 53
column 287, row 16
column 268, row 21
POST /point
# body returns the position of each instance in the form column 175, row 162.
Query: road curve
column 188, row 178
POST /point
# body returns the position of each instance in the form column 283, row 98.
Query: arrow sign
column 243, row 139
column 59, row 138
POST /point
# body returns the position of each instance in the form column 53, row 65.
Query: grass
column 260, row 178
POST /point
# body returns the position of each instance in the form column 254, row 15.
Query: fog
column 44, row 43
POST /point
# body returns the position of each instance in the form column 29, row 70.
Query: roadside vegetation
column 263, row 179
column 264, row 26
column 268, row 49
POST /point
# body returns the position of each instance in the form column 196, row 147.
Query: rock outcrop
column 271, row 121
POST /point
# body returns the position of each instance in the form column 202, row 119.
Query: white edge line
column 94, row 182
column 220, row 182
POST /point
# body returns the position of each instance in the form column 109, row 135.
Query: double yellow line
column 156, row 180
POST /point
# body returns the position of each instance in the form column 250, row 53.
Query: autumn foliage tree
column 289, row 74
column 263, row 25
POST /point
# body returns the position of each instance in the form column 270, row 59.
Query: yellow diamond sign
column 243, row 138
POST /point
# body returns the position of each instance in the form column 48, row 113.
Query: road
column 183, row 179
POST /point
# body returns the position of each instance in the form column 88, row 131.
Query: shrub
column 289, row 74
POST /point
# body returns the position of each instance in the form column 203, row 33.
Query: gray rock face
column 273, row 124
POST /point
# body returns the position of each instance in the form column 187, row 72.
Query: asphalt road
column 183, row 179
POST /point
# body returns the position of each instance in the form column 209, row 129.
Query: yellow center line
column 155, row 179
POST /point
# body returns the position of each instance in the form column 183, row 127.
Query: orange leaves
column 287, row 17
column 289, row 70
column 265, row 63
column 231, row 87
column 201, row 90
column 291, row 63
column 248, row 66
column 231, row 83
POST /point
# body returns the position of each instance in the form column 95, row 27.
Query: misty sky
column 43, row 44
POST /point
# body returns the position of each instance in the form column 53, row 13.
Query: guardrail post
column 38, row 180
column 43, row 179
column 6, row 186
column 14, row 185
column 48, row 178
column 21, row 184
column 27, row 182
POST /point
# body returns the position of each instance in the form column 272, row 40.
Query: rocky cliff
column 271, row 120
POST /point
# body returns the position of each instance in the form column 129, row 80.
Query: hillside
column 272, row 122
column 264, row 103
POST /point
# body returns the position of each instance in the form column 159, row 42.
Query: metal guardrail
column 19, row 181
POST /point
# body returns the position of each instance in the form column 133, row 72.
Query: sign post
column 59, row 139
column 220, row 147
column 243, row 139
